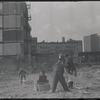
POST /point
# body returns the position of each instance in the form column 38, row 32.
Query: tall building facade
column 99, row 42
column 14, row 29
column 63, row 39
column 92, row 43
column 34, row 45
column 87, row 43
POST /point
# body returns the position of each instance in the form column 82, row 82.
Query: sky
column 53, row 20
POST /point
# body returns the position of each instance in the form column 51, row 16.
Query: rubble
column 11, row 87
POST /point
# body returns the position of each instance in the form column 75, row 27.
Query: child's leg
column 38, row 81
column 25, row 77
column 21, row 79
column 71, row 84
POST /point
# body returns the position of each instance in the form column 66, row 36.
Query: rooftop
column 69, row 41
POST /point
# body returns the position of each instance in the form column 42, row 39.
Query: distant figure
column 69, row 65
column 22, row 75
column 58, row 70
column 42, row 78
column 70, row 68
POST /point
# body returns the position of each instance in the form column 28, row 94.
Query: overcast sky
column 53, row 20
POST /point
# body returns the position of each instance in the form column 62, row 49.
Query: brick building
column 49, row 51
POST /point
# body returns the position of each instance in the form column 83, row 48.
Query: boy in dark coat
column 42, row 83
column 42, row 78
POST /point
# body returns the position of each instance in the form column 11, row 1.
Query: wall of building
column 1, row 49
column 14, row 28
column 34, row 45
column 94, row 43
column 58, row 47
column 91, row 43
column 52, row 50
column 99, row 42
column 87, row 44
column 12, row 48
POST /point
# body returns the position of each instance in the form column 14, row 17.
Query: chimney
column 63, row 39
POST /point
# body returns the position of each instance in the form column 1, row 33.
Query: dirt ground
column 10, row 87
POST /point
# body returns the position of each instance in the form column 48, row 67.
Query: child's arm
column 45, row 77
column 54, row 66
column 25, row 72
column 19, row 74
column 74, row 70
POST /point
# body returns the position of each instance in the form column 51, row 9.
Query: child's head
column 43, row 72
column 66, row 55
column 20, row 69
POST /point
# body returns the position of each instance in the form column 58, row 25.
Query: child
column 42, row 83
column 70, row 83
column 42, row 78
column 70, row 68
column 22, row 75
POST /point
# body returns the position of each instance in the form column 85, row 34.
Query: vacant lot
column 10, row 86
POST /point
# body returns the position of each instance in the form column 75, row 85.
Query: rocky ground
column 10, row 86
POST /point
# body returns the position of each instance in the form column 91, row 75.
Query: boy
column 69, row 65
column 43, row 83
column 42, row 78
column 22, row 75
column 70, row 68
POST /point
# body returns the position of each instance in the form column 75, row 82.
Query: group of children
column 43, row 78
